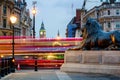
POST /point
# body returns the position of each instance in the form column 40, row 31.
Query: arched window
column 117, row 12
column 4, row 10
column 109, row 25
column 108, row 12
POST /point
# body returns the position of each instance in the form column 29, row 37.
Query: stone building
column 18, row 8
column 108, row 15
column 5, row 11
column 25, row 20
column 74, row 26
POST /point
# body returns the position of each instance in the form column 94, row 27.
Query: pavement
column 56, row 75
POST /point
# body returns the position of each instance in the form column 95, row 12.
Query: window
column 4, row 10
column 24, row 31
column 117, row 12
column 4, row 23
column 117, row 25
column 4, row 33
column 108, row 12
column 109, row 25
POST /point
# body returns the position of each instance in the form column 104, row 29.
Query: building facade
column 5, row 11
column 74, row 26
column 107, row 14
column 18, row 8
column 25, row 20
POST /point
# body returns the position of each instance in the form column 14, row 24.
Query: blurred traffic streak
column 48, row 51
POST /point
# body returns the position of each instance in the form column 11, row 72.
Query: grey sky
column 56, row 14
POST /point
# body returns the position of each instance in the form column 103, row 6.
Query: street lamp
column 13, row 20
column 34, row 13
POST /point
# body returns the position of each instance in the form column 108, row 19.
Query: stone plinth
column 92, row 62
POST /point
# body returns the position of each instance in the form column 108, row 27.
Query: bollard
column 36, row 69
column 8, row 65
column 2, row 68
column 5, row 65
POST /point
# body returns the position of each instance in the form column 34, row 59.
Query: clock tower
column 42, row 31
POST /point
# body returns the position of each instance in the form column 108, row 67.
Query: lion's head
column 91, row 27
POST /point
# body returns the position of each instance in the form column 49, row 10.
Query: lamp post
column 34, row 13
column 13, row 20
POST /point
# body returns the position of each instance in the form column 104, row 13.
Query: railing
column 6, row 66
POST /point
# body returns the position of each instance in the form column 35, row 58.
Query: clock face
column 41, row 33
column 44, row 32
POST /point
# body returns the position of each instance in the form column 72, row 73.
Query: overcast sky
column 56, row 14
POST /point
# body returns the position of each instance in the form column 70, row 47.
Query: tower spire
column 42, row 25
column 58, row 34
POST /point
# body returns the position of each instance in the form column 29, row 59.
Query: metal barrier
column 6, row 66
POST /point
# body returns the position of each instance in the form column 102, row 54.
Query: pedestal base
column 90, row 68
column 106, row 62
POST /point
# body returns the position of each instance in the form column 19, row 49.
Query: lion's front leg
column 82, row 45
column 78, row 47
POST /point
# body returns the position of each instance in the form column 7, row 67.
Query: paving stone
column 57, row 75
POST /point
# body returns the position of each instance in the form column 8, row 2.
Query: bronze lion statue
column 94, row 38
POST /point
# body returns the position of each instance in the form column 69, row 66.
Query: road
column 56, row 75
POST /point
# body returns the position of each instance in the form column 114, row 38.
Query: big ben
column 42, row 31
